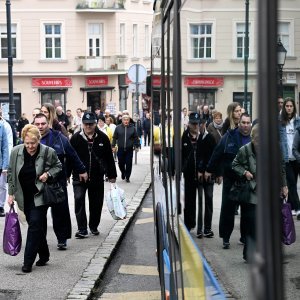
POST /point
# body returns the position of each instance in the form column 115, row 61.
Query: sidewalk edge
column 84, row 287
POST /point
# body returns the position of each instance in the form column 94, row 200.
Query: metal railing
column 101, row 63
column 100, row 4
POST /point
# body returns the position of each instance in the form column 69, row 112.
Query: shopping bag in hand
column 12, row 238
column 288, row 226
column 115, row 200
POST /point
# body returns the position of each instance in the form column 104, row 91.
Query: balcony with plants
column 101, row 63
column 105, row 5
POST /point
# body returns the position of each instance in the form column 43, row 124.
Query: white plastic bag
column 115, row 200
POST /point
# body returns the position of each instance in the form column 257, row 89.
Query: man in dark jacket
column 62, row 117
column 126, row 137
column 94, row 150
column 146, row 129
column 70, row 160
column 220, row 164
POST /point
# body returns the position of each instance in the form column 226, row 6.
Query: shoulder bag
column 53, row 192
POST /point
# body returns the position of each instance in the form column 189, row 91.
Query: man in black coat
column 94, row 150
column 146, row 129
column 125, row 136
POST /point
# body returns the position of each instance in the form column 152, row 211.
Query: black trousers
column 190, row 193
column 227, row 214
column 95, row 194
column 146, row 135
column 208, row 189
column 292, row 171
column 36, row 242
column 61, row 218
column 250, row 230
column 125, row 162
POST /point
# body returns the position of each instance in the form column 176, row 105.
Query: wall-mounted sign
column 51, row 82
column 204, row 81
column 96, row 80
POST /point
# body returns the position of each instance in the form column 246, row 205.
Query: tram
column 183, row 270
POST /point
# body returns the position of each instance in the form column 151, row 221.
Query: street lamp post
column 246, row 54
column 281, row 56
column 12, row 112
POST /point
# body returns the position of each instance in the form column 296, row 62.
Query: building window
column 200, row 97
column 3, row 40
column 201, row 40
column 95, row 32
column 53, row 41
column 134, row 40
column 122, row 39
column 240, row 39
column 285, row 36
column 147, row 41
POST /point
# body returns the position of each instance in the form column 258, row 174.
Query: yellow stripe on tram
column 193, row 275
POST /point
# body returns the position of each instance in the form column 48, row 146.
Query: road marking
column 138, row 270
column 147, row 210
column 146, row 295
column 144, row 221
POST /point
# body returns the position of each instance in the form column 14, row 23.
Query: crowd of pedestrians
column 85, row 147
column 217, row 151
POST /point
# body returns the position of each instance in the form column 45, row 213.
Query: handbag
column 53, row 192
column 12, row 238
column 288, row 226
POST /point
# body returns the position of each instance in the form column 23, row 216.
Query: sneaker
column 127, row 180
column 95, row 232
column 42, row 262
column 81, row 234
column 226, row 244
column 62, row 245
column 208, row 233
column 200, row 235
column 2, row 213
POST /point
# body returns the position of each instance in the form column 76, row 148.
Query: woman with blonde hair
column 233, row 116
column 49, row 111
column 26, row 177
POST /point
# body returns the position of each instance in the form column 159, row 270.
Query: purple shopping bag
column 288, row 226
column 12, row 238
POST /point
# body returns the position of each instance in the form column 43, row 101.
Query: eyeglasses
column 89, row 124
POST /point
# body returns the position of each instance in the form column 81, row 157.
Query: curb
column 96, row 268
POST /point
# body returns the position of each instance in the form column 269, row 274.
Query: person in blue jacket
column 70, row 160
column 220, row 164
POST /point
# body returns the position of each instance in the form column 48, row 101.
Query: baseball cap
column 194, row 118
column 89, row 117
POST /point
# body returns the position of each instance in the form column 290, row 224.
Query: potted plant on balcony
column 119, row 3
column 82, row 5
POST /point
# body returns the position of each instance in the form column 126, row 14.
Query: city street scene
column 149, row 149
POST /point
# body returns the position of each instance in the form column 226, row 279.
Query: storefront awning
column 97, row 88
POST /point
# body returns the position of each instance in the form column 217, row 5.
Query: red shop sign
column 156, row 81
column 52, row 82
column 204, row 81
column 96, row 80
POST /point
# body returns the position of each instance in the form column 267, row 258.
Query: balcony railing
column 100, row 4
column 101, row 63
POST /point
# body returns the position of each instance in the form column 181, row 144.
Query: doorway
column 96, row 99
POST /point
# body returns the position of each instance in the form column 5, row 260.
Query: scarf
column 218, row 126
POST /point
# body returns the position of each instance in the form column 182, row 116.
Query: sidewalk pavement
column 72, row 274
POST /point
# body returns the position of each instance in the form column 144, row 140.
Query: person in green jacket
column 244, row 165
column 26, row 177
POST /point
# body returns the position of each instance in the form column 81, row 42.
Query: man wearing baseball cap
column 94, row 150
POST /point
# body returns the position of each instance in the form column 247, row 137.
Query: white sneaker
column 294, row 213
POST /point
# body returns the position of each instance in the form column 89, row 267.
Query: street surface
column 58, row 279
column 133, row 273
